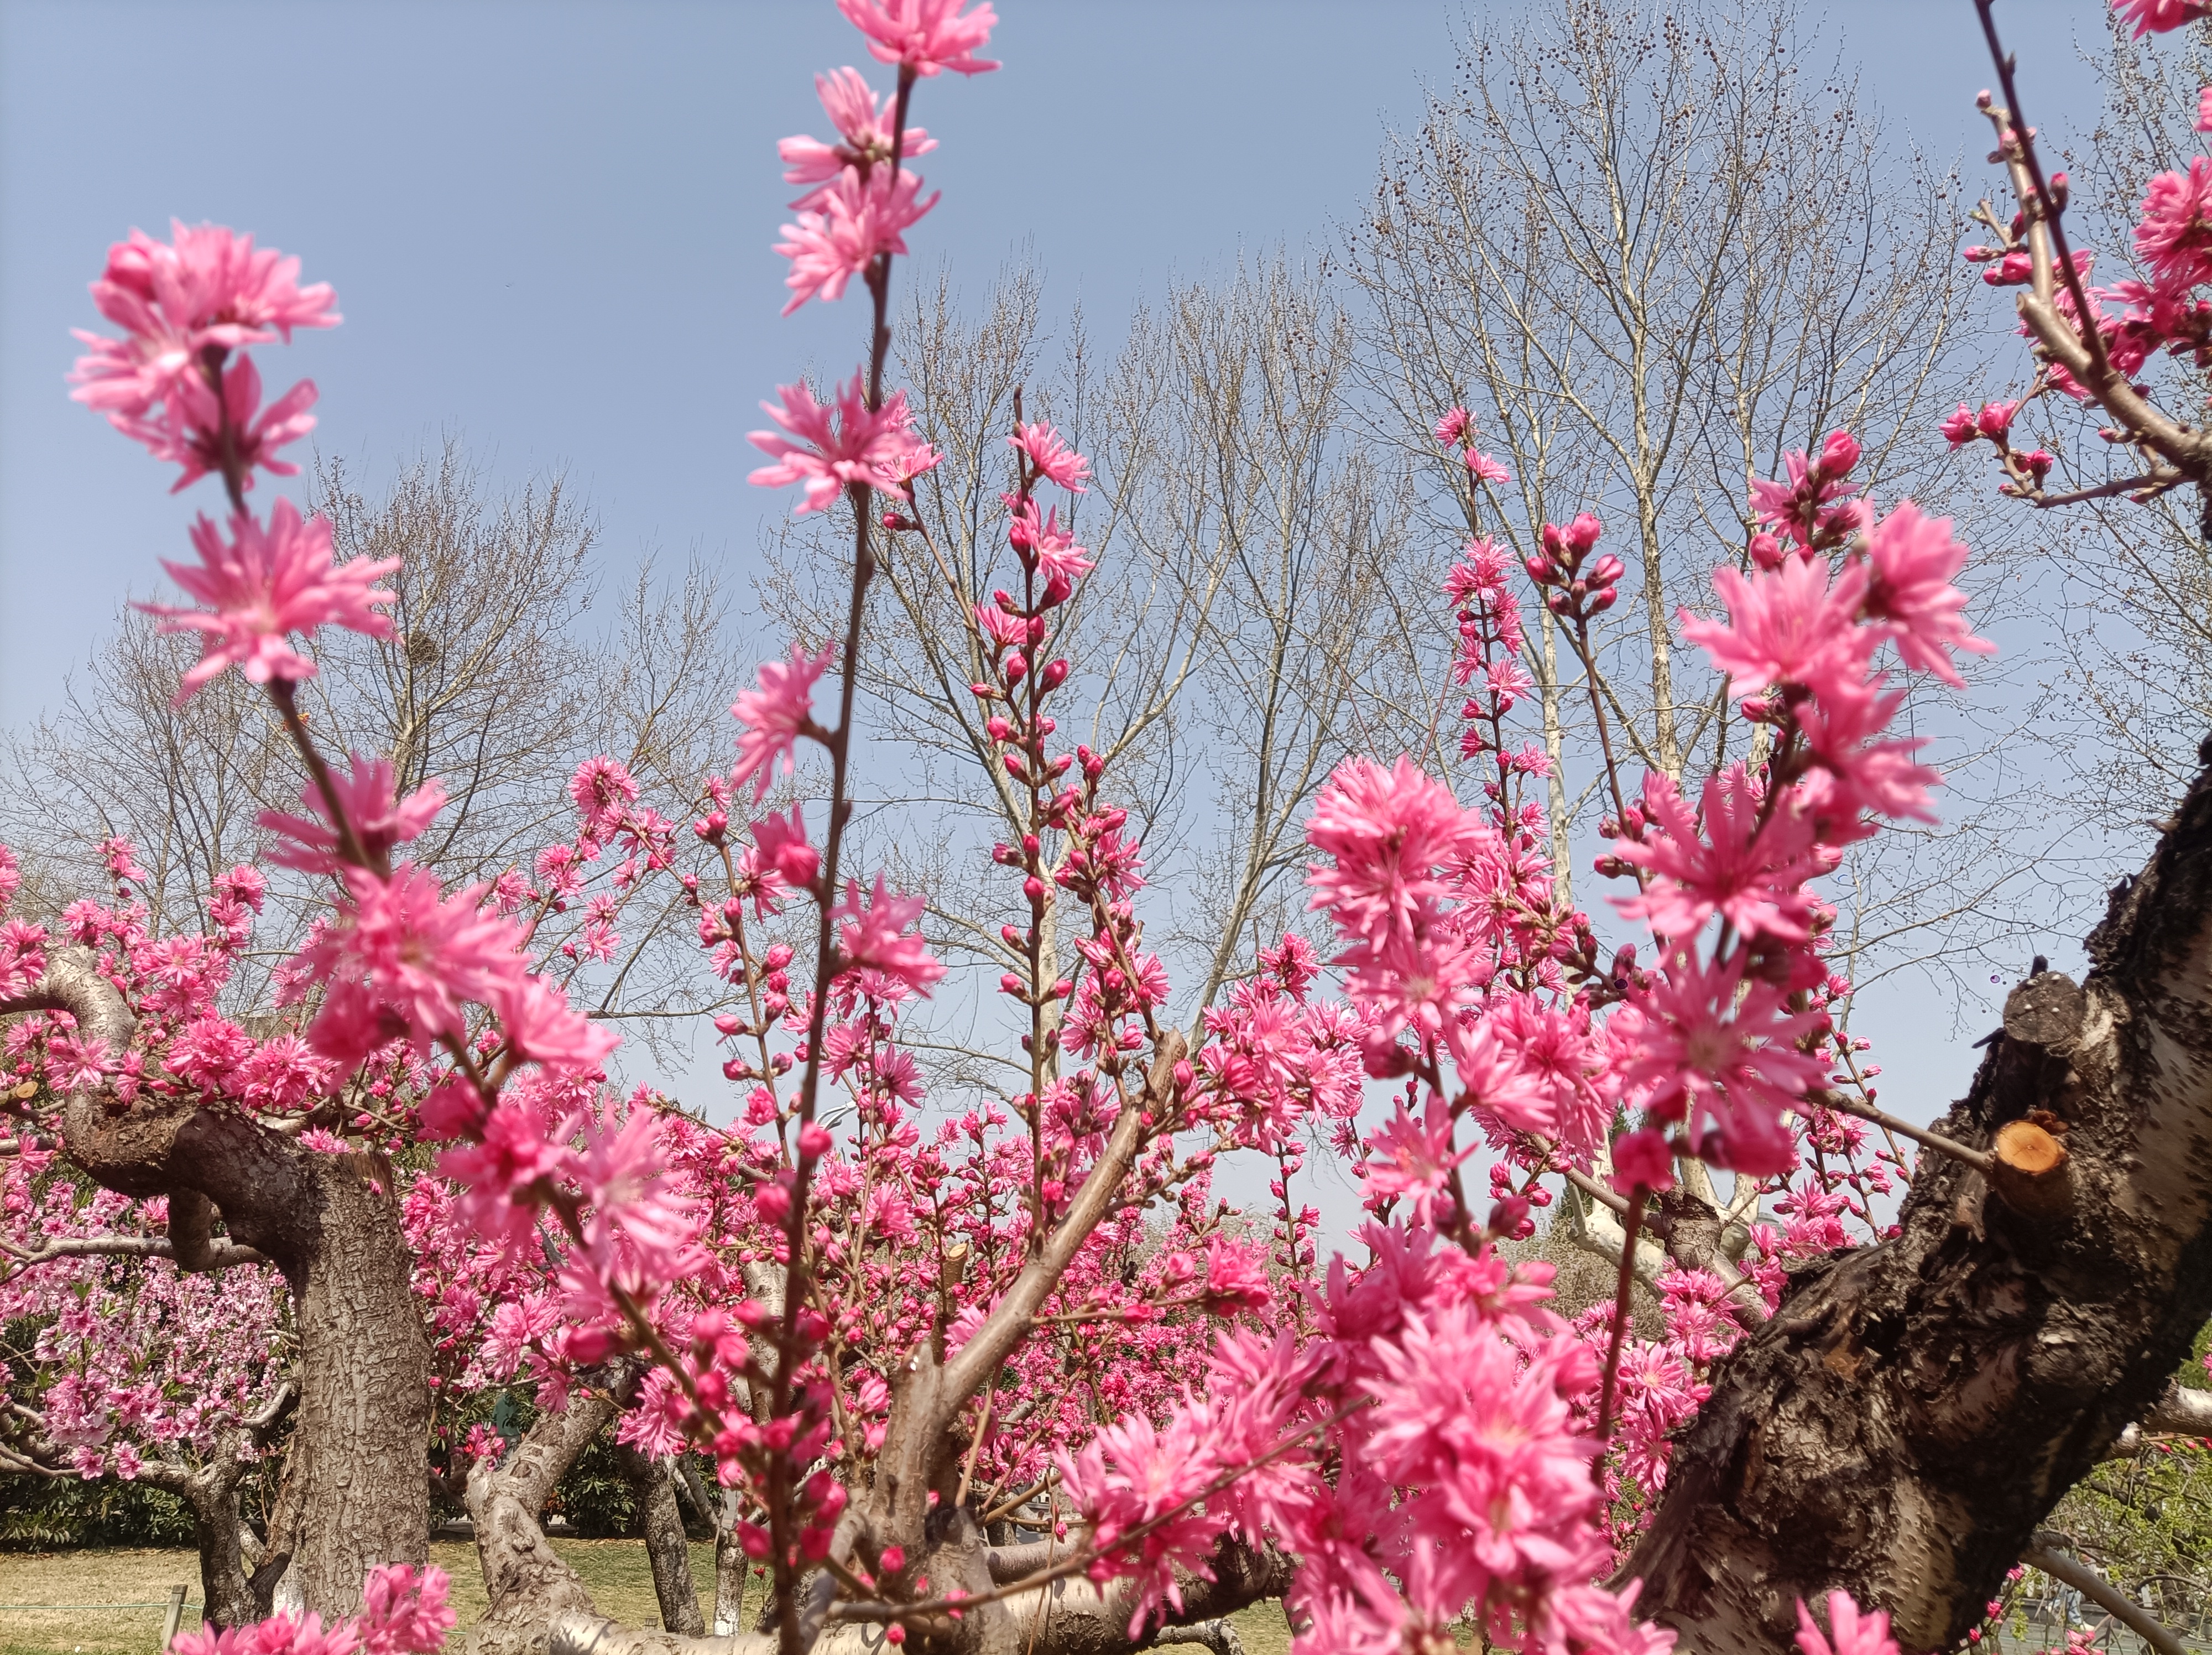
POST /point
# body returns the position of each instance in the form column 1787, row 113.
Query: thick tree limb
column 1912, row 1410
column 222, row 1254
column 2182, row 1411
column 359, row 1460
column 2047, row 1555
column 667, row 1547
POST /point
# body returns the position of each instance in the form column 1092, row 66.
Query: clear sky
column 550, row 225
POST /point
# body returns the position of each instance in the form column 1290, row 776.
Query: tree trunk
column 1904, row 1420
column 211, row 1490
column 666, row 1545
column 529, row 1586
column 360, row 1452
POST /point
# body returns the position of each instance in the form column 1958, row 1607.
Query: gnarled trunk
column 666, row 1546
column 360, row 1453
column 211, row 1490
column 1900, row 1425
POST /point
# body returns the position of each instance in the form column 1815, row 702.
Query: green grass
column 615, row 1572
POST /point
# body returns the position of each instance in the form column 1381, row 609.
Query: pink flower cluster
column 184, row 306
column 1443, row 1396
column 404, row 1612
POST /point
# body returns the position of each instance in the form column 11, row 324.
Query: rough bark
column 1912, row 1410
column 360, row 1455
column 211, row 1490
column 529, row 1586
column 666, row 1546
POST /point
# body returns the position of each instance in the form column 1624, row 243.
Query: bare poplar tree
column 498, row 676
column 1249, row 636
column 1635, row 247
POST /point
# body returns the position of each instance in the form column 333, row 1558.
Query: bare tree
column 499, row 678
column 1249, row 639
column 1634, row 247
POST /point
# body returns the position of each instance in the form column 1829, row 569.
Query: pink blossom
column 828, row 455
column 1701, row 1043
column 402, row 1614
column 540, row 1026
column 1852, row 1631
column 873, row 936
column 1057, row 557
column 365, row 794
column 1486, row 469
column 1786, row 625
column 1643, row 1158
column 2156, row 17
column 1235, row 1279
column 1913, row 559
column 926, row 36
column 897, row 476
column 1412, row 1156
column 282, row 1075
column 1389, row 833
column 1751, row 873
column 22, row 957
column 203, row 433
column 1959, row 429
column 266, row 585
column 77, row 1063
column 1860, row 774
column 862, row 119
column 206, row 287
column 851, row 220
column 1453, row 426
column 1047, row 451
column 784, row 846
column 401, row 961
column 1489, row 1450
column 603, row 791
column 2173, row 236
column 773, row 715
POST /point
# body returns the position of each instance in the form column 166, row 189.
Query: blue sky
column 550, row 225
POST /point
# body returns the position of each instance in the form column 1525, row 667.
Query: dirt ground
column 110, row 1602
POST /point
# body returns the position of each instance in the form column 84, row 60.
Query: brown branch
column 2060, row 1565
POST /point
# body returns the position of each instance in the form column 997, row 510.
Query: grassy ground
column 131, row 1586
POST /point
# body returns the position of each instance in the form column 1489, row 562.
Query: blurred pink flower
column 926, row 36
column 402, row 960
column 2156, row 17
column 773, row 715
column 206, row 287
column 1913, row 559
column 831, row 445
column 1786, row 625
column 862, row 119
column 1852, row 1631
column 847, row 221
column 873, row 936
column 190, row 430
column 365, row 794
column 266, row 585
